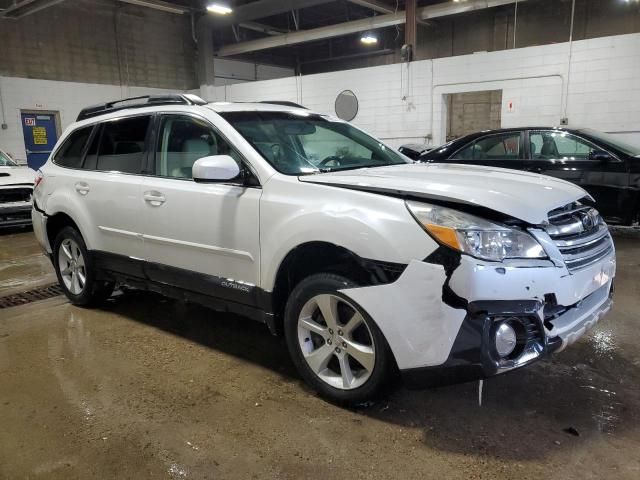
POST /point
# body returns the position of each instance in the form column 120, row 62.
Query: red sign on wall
column 30, row 121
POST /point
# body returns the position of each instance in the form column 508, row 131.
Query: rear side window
column 72, row 150
column 122, row 145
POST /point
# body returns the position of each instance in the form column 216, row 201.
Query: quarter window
column 122, row 145
column 182, row 140
column 559, row 146
column 72, row 150
column 494, row 147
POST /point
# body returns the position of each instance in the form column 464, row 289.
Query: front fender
column 372, row 226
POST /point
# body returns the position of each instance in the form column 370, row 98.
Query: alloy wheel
column 336, row 341
column 71, row 264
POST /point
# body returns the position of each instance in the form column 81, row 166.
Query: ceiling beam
column 356, row 26
column 27, row 7
column 262, row 9
column 375, row 5
column 259, row 27
column 159, row 5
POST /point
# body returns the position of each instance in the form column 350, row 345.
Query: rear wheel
column 75, row 270
column 335, row 345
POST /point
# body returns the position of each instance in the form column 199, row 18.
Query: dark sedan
column 604, row 166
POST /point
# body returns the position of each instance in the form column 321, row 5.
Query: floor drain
column 22, row 298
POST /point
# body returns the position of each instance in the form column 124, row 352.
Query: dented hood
column 523, row 195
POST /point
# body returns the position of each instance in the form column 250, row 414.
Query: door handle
column 154, row 198
column 82, row 188
column 37, row 151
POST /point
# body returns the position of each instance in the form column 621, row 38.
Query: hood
column 16, row 175
column 522, row 195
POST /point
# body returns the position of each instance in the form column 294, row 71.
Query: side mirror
column 216, row 168
column 600, row 155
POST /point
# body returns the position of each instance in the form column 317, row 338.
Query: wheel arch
column 57, row 222
column 324, row 257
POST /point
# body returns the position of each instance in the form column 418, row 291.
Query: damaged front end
column 469, row 318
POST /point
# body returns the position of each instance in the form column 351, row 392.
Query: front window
column 5, row 161
column 298, row 144
column 559, row 145
column 183, row 140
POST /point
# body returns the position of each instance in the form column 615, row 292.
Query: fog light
column 505, row 339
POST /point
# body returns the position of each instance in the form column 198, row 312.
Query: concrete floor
column 152, row 388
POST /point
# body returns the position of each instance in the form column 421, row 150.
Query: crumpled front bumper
column 438, row 317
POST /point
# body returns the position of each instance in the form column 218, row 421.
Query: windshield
column 613, row 141
column 302, row 143
column 5, row 161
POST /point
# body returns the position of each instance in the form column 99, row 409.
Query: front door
column 40, row 136
column 201, row 237
column 563, row 155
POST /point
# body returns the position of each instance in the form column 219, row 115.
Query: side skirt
column 217, row 293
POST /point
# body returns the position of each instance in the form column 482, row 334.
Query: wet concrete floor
column 152, row 388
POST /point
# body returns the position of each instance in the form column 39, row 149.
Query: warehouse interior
column 151, row 387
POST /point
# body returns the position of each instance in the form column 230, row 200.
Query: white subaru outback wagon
column 367, row 263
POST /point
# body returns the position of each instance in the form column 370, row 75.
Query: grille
column 580, row 234
column 29, row 296
column 22, row 194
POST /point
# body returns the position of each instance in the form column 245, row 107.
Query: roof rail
column 284, row 103
column 139, row 102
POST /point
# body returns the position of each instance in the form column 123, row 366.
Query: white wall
column 403, row 103
column 68, row 98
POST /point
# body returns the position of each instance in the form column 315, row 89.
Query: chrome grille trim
column 579, row 245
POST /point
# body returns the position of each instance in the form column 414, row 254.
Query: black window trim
column 151, row 157
column 99, row 126
column 615, row 157
column 55, row 152
column 521, row 146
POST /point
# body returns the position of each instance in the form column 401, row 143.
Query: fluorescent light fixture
column 219, row 8
column 368, row 39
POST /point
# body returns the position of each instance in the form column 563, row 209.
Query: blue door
column 40, row 136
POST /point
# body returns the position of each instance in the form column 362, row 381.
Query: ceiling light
column 219, row 8
column 369, row 39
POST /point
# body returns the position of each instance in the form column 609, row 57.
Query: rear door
column 202, row 237
column 567, row 156
column 109, row 185
column 504, row 150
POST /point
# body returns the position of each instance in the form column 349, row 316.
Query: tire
column 72, row 263
column 346, row 359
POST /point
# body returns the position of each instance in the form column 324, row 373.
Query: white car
column 16, row 187
column 363, row 260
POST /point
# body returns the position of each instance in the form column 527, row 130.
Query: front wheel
column 75, row 270
column 335, row 345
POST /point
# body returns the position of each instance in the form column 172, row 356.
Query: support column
column 204, row 35
column 410, row 27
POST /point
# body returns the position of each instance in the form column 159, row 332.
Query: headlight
column 473, row 235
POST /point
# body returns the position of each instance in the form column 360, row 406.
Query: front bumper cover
column 473, row 355
column 437, row 317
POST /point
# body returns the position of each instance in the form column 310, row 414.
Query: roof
column 221, row 107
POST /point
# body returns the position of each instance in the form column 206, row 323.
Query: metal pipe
column 566, row 93
column 375, row 5
column 515, row 23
